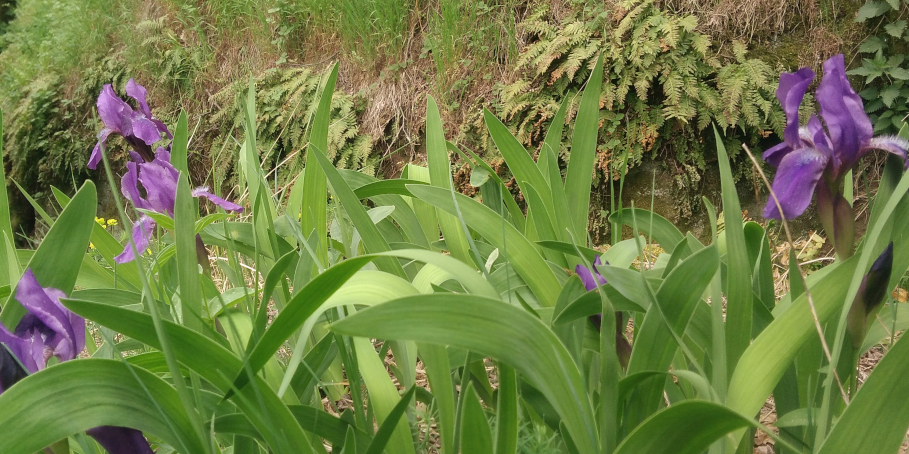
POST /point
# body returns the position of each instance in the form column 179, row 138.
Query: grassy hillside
column 672, row 69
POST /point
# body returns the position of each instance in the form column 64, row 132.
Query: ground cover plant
column 359, row 315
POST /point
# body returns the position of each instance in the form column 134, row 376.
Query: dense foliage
column 663, row 85
column 520, row 58
column 884, row 64
column 398, row 316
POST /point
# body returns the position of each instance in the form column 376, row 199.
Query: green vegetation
column 663, row 87
column 366, row 331
column 685, row 67
column 884, row 64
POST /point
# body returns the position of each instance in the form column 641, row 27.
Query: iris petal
column 138, row 93
column 587, row 276
column 145, row 129
column 774, row 155
column 95, row 158
column 129, row 186
column 226, row 205
column 142, row 232
column 46, row 307
column 111, row 108
column 891, row 144
column 120, row 440
column 794, row 182
column 21, row 350
column 847, row 123
column 159, row 179
column 790, row 92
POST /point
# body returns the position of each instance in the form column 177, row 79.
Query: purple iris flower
column 48, row 329
column 140, row 129
column 153, row 171
column 590, row 283
column 591, row 279
column 159, row 180
column 587, row 276
column 815, row 159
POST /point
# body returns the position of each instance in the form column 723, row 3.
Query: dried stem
column 817, row 322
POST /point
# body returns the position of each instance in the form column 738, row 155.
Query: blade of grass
column 314, row 211
column 738, row 282
column 372, row 238
column 178, row 148
column 583, row 152
column 295, row 314
column 187, row 260
column 522, row 253
column 440, row 177
column 57, row 260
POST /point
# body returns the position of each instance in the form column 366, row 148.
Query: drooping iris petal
column 111, row 108
column 159, row 179
column 794, row 183
column 587, row 276
column 848, row 125
column 141, row 234
column 129, row 186
column 21, row 349
column 775, row 154
column 891, row 144
column 95, row 158
column 806, row 139
column 226, row 205
column 790, row 92
column 120, row 440
column 61, row 333
column 145, row 129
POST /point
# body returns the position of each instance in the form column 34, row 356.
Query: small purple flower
column 587, row 276
column 816, row 159
column 622, row 347
column 140, row 129
column 49, row 329
column 153, row 171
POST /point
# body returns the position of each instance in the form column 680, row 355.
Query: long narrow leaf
column 583, row 151
column 56, row 262
column 475, row 323
column 75, row 396
column 521, row 252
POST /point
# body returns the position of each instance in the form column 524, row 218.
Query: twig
column 817, row 322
